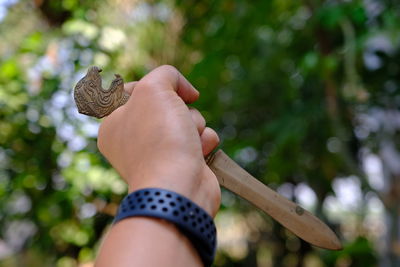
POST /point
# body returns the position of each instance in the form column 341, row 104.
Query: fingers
column 208, row 137
column 169, row 78
column 209, row 140
column 198, row 120
column 128, row 87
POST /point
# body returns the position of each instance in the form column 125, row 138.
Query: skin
column 155, row 140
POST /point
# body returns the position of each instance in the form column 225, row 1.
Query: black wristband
column 190, row 219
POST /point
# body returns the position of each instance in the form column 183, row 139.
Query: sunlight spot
column 334, row 144
column 305, row 196
column 111, row 38
column 286, row 190
column 246, row 155
column 348, row 192
column 372, row 165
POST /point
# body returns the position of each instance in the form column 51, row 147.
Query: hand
column 155, row 140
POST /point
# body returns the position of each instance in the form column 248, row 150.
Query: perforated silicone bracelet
column 190, row 219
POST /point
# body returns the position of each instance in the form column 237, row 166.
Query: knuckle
column 214, row 138
column 161, row 76
column 202, row 120
column 168, row 68
column 151, row 84
column 197, row 115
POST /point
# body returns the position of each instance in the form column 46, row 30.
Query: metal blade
column 299, row 221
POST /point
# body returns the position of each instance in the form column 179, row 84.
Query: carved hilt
column 92, row 100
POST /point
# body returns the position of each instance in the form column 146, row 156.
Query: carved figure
column 93, row 100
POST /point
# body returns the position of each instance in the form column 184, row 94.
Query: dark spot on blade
column 299, row 210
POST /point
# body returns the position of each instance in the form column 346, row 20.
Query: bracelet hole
column 164, row 209
column 139, row 199
column 153, row 207
column 150, row 199
column 179, row 199
column 172, row 204
column 157, row 193
column 161, row 201
column 168, row 195
column 176, row 213
column 142, row 206
column 183, row 208
column 146, row 193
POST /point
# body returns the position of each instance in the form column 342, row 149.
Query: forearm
column 156, row 141
column 141, row 241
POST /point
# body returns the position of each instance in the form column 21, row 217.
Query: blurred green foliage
column 304, row 94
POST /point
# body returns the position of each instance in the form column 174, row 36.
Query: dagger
column 92, row 100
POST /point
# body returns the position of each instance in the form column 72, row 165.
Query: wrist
column 203, row 189
column 135, row 241
column 188, row 217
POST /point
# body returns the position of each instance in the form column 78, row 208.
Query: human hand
column 155, row 140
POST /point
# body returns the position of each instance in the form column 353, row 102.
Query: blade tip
column 334, row 244
column 337, row 245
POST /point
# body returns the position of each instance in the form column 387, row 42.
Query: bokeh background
column 304, row 94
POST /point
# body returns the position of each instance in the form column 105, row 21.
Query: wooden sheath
column 299, row 221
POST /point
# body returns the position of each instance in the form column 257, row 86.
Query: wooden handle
column 299, row 221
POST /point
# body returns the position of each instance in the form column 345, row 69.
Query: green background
column 304, row 95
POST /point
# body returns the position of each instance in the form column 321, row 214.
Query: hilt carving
column 92, row 100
